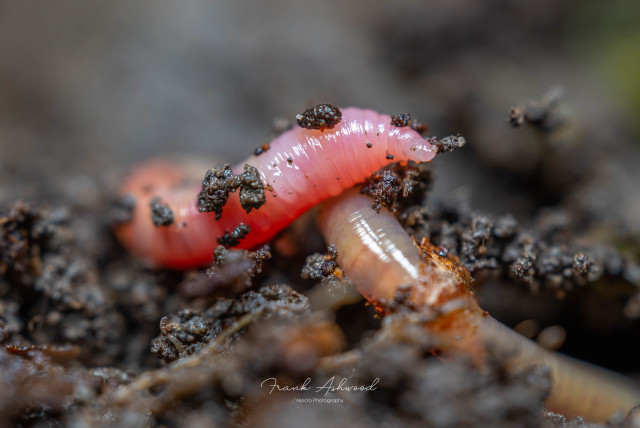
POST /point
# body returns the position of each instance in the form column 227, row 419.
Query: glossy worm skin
column 379, row 257
column 302, row 168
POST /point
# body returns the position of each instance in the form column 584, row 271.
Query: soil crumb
column 233, row 238
column 397, row 185
column 220, row 181
column 448, row 144
column 161, row 213
column 401, row 120
column 321, row 117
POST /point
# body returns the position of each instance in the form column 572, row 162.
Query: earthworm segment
column 387, row 265
column 178, row 225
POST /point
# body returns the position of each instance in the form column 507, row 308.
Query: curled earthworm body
column 302, row 168
column 305, row 166
column 383, row 261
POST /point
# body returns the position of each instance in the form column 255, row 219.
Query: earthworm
column 330, row 151
column 386, row 264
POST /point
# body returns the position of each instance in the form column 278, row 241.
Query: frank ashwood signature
column 331, row 385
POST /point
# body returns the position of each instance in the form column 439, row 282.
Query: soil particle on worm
column 233, row 238
column 396, row 185
column 161, row 213
column 321, row 117
column 448, row 144
column 260, row 150
column 252, row 189
column 220, row 181
column 401, row 120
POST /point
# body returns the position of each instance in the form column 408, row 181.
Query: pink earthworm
column 384, row 262
column 301, row 168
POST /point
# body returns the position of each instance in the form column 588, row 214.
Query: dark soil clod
column 449, row 143
column 321, row 117
column 161, row 213
column 401, row 120
column 319, row 266
column 220, row 181
column 252, row 190
column 233, row 238
column 260, row 150
column 390, row 187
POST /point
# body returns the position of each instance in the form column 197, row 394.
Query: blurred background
column 88, row 89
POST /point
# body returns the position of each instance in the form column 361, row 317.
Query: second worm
column 381, row 259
